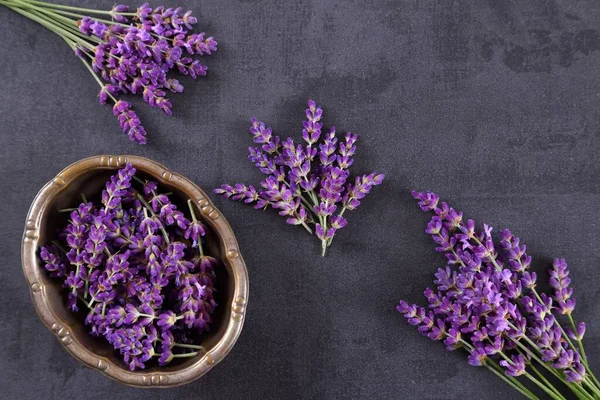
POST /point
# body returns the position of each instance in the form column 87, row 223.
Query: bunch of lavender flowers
column 136, row 264
column 308, row 183
column 485, row 301
column 127, row 52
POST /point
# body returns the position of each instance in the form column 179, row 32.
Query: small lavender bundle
column 132, row 52
column 485, row 301
column 308, row 183
column 136, row 264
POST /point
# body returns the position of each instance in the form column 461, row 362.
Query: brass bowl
column 88, row 176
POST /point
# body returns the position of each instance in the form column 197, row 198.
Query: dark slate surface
column 493, row 104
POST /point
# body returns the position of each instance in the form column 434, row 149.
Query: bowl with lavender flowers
column 135, row 271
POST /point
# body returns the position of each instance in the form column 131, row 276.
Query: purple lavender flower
column 560, row 282
column 126, row 260
column 195, row 231
column 514, row 367
column 307, row 183
column 131, row 52
column 167, row 319
column 578, row 332
column 53, row 261
column 478, row 356
column 576, row 375
column 485, row 300
column 129, row 121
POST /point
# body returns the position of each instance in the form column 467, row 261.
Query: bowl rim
column 32, row 270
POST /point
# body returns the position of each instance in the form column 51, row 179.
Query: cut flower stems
column 486, row 302
column 136, row 267
column 127, row 51
column 308, row 183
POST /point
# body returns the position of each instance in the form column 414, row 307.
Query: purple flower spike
column 427, row 201
column 53, row 261
column 576, row 375
column 195, row 231
column 308, row 183
column 560, row 282
column 129, row 121
column 578, row 333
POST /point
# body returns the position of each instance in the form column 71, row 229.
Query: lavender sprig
column 128, row 51
column 308, row 183
column 137, row 264
column 485, row 300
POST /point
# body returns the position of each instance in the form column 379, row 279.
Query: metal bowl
column 88, row 176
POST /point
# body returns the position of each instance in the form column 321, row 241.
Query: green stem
column 306, row 226
column 511, row 382
column 52, row 17
column 65, row 7
column 80, row 16
column 68, row 23
column 543, row 387
column 499, row 369
column 189, row 346
column 107, row 252
column 184, row 355
column 592, row 387
column 543, row 378
column 72, row 32
column 65, row 29
column 52, row 26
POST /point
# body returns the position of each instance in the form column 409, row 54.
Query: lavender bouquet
column 127, row 52
column 136, row 265
column 485, row 301
column 308, row 183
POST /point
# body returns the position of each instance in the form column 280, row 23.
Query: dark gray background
column 493, row 104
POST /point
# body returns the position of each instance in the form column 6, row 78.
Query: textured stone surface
column 493, row 104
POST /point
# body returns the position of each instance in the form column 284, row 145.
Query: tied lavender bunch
column 136, row 265
column 308, row 183
column 127, row 52
column 485, row 301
